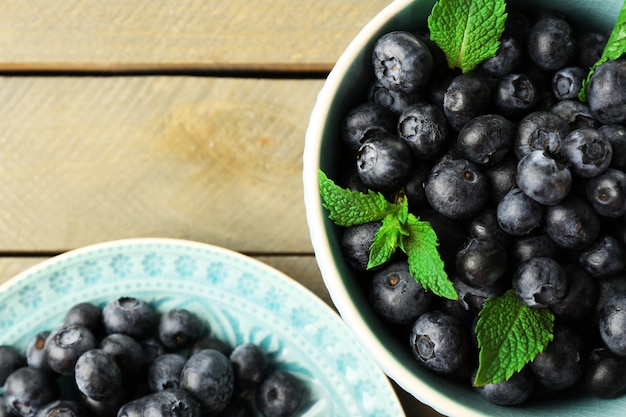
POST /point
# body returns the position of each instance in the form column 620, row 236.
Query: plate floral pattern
column 241, row 299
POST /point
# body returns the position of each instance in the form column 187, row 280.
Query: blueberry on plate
column 36, row 351
column 209, row 376
column 540, row 131
column 581, row 296
column 179, row 329
column 27, row 390
column 616, row 134
column 515, row 390
column 606, row 257
column 457, row 188
column 10, row 360
column 613, row 324
column 605, row 93
column 393, row 101
column 85, row 314
column 518, row 214
column 515, row 95
column 363, row 118
column 129, row 315
column 97, row 375
column 543, row 178
column 540, row 282
column 586, row 152
column 402, row 62
column 481, row 262
column 383, row 161
column 605, row 374
column 439, row 342
column 607, row 193
column 249, row 364
column 575, row 113
column 125, row 351
column 396, row 295
column 66, row 344
column 485, row 139
column 171, row 402
column 501, row 177
column 467, row 96
column 561, row 364
column 551, row 43
column 530, row 246
column 165, row 371
column 424, row 128
column 506, row 59
column 572, row 224
column 567, row 82
column 279, row 395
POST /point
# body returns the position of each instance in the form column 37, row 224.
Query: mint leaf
column 385, row 241
column 510, row 335
column 468, row 31
column 349, row 208
column 425, row 264
column 615, row 47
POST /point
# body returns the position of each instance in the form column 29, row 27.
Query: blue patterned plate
column 242, row 299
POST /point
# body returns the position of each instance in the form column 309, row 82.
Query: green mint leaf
column 468, row 31
column 349, row 208
column 510, row 335
column 425, row 264
column 386, row 241
column 615, row 47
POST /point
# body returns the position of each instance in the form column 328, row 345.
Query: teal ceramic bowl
column 342, row 90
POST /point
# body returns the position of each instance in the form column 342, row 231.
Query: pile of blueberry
column 525, row 186
column 128, row 360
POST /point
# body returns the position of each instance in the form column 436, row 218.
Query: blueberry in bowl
column 555, row 157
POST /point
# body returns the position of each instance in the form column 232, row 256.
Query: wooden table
column 163, row 118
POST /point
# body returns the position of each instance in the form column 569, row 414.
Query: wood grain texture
column 90, row 159
column 171, row 34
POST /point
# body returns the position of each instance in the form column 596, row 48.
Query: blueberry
column 439, row 342
column 605, row 257
column 165, row 371
column 481, row 262
column 506, row 59
column 608, row 288
column 605, row 374
column 551, row 43
column 151, row 348
column 575, row 113
column 567, row 82
column 515, row 95
column 613, row 324
column 530, row 246
column 414, row 186
column 589, row 48
column 384, row 161
column 356, row 241
column 133, row 408
column 581, row 296
column 605, row 92
column 27, row 390
column 125, row 351
column 172, row 402
column 607, row 193
column 519, row 214
column 457, row 188
column 485, row 226
column 36, row 351
column 587, row 152
column 210, row 342
column 279, row 395
column 467, row 96
column 540, row 131
column 363, row 118
column 249, row 364
column 424, row 128
column 616, row 134
column 129, row 315
column 97, row 375
column 402, row 62
column 66, row 344
column 561, row 364
column 501, row 177
column 208, row 375
column 62, row 408
column 485, row 139
column 393, row 101
column 396, row 295
column 514, row 391
column 572, row 224
column 85, row 314
column 540, row 282
column 10, row 360
column 179, row 329
column 473, row 298
column 543, row 178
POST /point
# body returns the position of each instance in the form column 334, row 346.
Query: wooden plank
column 171, row 34
column 91, row 159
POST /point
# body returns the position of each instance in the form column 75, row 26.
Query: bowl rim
column 316, row 217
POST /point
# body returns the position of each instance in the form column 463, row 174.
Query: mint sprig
column 615, row 47
column 468, row 31
column 399, row 229
column 510, row 335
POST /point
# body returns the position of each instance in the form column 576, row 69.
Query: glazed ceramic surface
column 241, row 299
column 344, row 88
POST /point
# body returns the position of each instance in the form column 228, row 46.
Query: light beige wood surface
column 182, row 119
